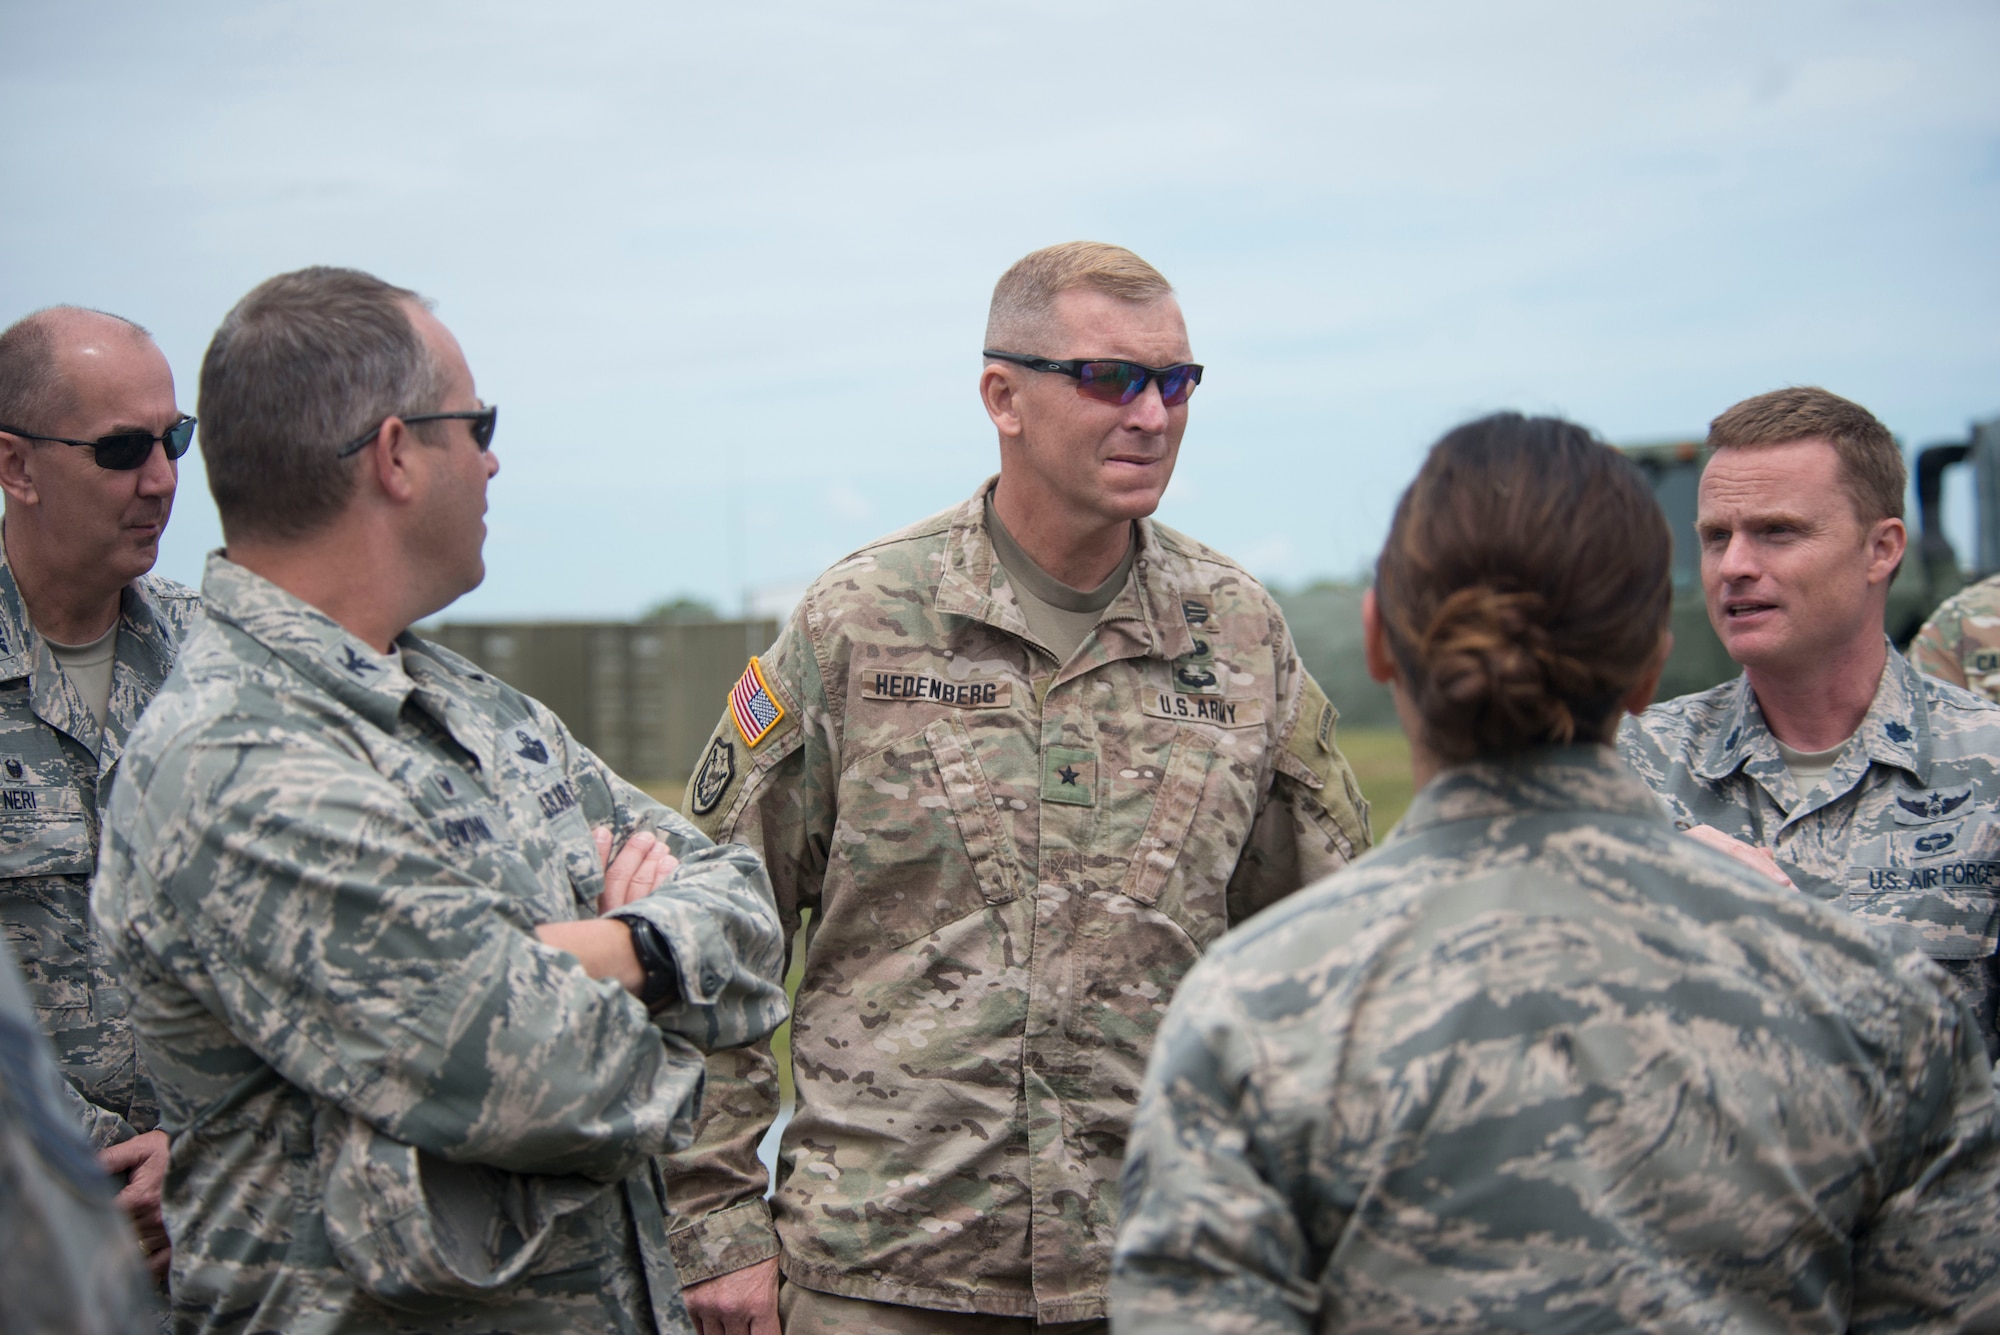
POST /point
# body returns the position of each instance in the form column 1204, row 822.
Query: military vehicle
column 1931, row 572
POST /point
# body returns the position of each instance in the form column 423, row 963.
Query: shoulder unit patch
column 712, row 780
column 753, row 705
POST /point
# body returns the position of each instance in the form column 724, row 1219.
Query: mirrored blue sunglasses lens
column 1176, row 383
column 1111, row 382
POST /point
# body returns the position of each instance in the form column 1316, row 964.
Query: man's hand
column 604, row 946
column 742, row 1302
column 636, row 872
column 145, row 1158
column 1751, row 856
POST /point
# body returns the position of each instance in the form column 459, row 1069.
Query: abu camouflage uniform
column 56, row 768
column 392, row 1107
column 1961, row 641
column 1904, row 832
column 68, row 1259
column 1010, row 866
column 1541, row 1063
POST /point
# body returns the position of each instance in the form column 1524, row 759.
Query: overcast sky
column 725, row 268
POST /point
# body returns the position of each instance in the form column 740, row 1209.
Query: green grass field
column 1381, row 760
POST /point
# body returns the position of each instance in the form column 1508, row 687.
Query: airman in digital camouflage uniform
column 1961, row 641
column 1831, row 763
column 416, row 1083
column 89, row 438
column 1539, row 1062
column 68, row 1260
column 1023, row 761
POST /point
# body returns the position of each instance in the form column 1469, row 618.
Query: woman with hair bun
column 1539, row 1062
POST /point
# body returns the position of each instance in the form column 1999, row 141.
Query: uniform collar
column 1895, row 731
column 1145, row 619
column 18, row 641
column 310, row 642
column 144, row 649
column 1548, row 779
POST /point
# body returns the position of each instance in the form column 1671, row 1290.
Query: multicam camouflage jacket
column 56, row 768
column 392, row 1107
column 1540, row 1063
column 1010, row 864
column 1961, row 641
column 68, row 1259
column 1904, row 833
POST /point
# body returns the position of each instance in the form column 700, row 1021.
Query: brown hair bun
column 1524, row 586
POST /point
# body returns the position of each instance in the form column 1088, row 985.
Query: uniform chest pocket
column 1198, row 813
column 1158, row 852
column 920, row 843
column 44, row 832
column 1947, row 907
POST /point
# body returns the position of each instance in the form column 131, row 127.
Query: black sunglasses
column 122, row 451
column 1112, row 381
column 483, row 421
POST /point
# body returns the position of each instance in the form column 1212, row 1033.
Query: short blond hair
column 1023, row 309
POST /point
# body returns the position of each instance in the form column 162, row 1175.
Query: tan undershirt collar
column 1059, row 616
column 88, row 667
column 1809, row 767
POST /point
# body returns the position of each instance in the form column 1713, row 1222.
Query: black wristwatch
column 656, row 960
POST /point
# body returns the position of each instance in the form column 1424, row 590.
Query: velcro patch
column 465, row 831
column 557, row 799
column 920, row 686
column 1310, row 740
column 38, row 799
column 1204, row 709
column 753, row 705
column 1069, row 775
column 1926, row 807
column 711, row 782
column 1195, row 672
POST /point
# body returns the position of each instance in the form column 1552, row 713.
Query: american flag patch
column 752, row 705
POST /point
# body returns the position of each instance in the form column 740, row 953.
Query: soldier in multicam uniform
column 67, row 1259
column 89, row 436
column 1540, row 1063
column 1023, row 761
column 1961, row 641
column 1831, row 763
column 416, row 1082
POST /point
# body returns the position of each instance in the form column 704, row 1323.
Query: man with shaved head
column 89, row 436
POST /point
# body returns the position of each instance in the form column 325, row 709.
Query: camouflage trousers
column 807, row 1312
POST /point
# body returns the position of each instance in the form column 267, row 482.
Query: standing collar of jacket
column 1583, row 778
column 310, row 642
column 18, row 639
column 972, row 570
column 145, row 645
column 1895, row 731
